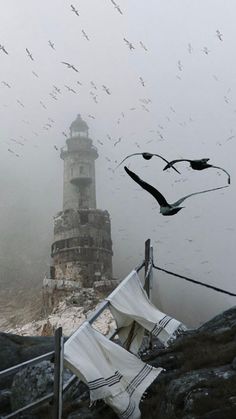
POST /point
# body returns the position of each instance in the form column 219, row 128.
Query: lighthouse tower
column 82, row 247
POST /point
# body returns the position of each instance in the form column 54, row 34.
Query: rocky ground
column 199, row 381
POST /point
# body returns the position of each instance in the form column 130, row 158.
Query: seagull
column 200, row 164
column 129, row 44
column 106, row 89
column 219, row 35
column 190, row 49
column 70, row 66
column 29, row 54
column 74, row 10
column 20, row 103
column 117, row 7
column 56, row 148
column 142, row 81
column 70, row 89
column 206, row 50
column 51, row 45
column 6, row 84
column 57, row 89
column 35, row 74
column 180, row 67
column 3, row 49
column 118, row 141
column 165, row 207
column 143, row 46
column 85, row 35
column 147, row 156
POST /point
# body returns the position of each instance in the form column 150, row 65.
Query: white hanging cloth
column 111, row 372
column 128, row 303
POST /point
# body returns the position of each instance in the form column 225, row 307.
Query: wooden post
column 146, row 287
column 58, row 374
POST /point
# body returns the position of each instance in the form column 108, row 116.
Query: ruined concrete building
column 82, row 247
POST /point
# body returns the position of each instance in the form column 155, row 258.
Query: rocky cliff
column 199, row 381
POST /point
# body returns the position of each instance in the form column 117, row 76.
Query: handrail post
column 147, row 262
column 58, row 374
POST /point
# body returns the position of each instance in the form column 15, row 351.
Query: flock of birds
column 165, row 207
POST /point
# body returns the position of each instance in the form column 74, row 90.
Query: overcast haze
column 186, row 108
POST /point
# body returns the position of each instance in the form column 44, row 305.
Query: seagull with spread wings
column 74, row 10
column 70, row 66
column 200, row 164
column 165, row 207
column 146, row 156
column 29, row 54
column 117, row 7
column 51, row 44
column 2, row 48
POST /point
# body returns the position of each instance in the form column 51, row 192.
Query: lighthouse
column 82, row 248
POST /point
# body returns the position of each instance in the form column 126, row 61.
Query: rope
column 194, row 281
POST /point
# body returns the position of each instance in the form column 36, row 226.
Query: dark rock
column 199, row 381
column 5, row 401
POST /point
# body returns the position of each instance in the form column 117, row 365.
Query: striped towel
column 110, row 372
column 128, row 303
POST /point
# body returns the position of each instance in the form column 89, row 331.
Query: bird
column 200, row 164
column 106, row 89
column 190, row 49
column 117, row 7
column 219, row 35
column 56, row 148
column 85, row 35
column 142, row 81
column 35, row 74
column 165, row 207
column 129, row 44
column 29, row 54
column 206, row 50
column 74, row 10
column 117, row 142
column 70, row 89
column 20, row 103
column 70, row 66
column 2, row 48
column 6, row 84
column 146, row 156
column 143, row 46
column 180, row 67
column 51, row 44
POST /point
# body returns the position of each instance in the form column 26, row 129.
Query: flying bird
column 29, row 54
column 117, row 142
column 2, row 48
column 190, row 49
column 200, row 164
column 6, row 84
column 85, row 35
column 20, row 103
column 117, row 7
column 51, row 45
column 146, row 156
column 106, row 89
column 35, row 74
column 206, row 50
column 142, row 81
column 70, row 89
column 129, row 44
column 56, row 148
column 143, row 46
column 219, row 35
column 165, row 207
column 70, row 66
column 74, row 10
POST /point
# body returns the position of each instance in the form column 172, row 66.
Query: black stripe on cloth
column 129, row 411
column 102, row 382
column 138, row 379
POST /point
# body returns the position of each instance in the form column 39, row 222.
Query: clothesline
column 195, row 281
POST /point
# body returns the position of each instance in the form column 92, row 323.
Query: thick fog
column 173, row 93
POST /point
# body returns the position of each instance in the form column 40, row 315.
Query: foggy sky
column 192, row 114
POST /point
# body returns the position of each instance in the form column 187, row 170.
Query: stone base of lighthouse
column 82, row 256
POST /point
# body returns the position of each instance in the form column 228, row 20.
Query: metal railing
column 59, row 389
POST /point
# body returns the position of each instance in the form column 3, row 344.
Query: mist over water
column 186, row 108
